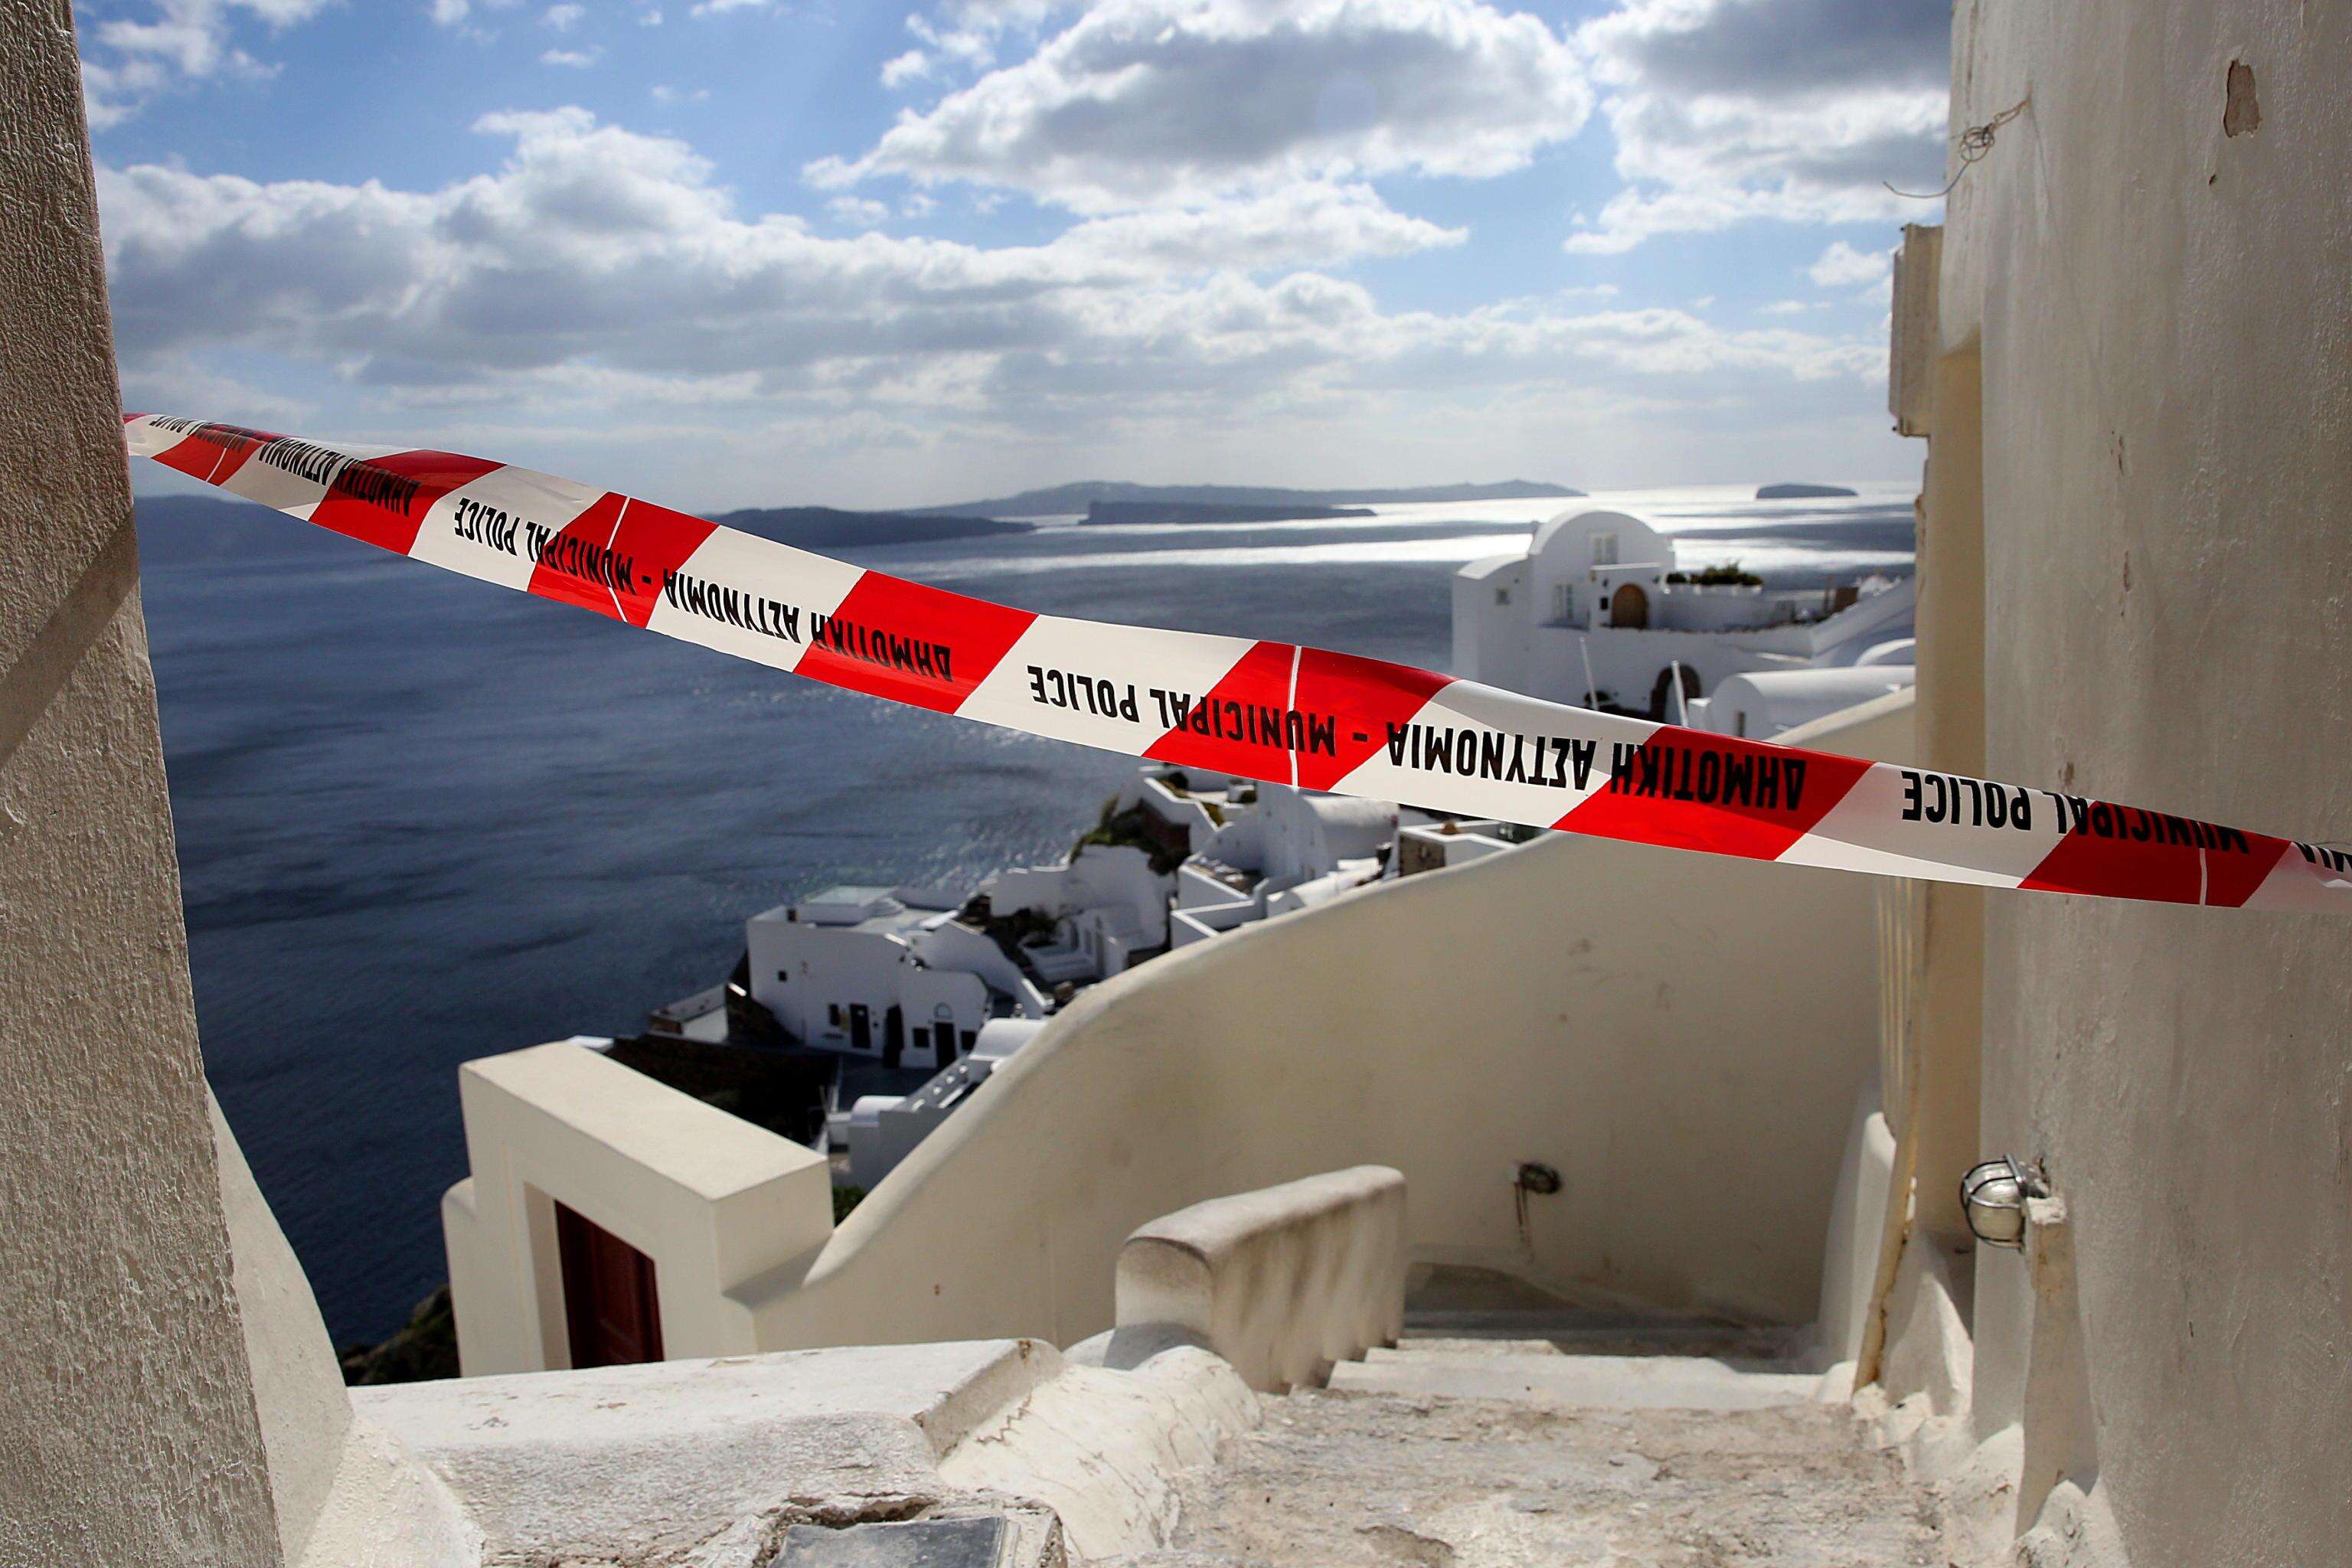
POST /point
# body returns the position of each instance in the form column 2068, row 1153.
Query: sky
column 753, row 252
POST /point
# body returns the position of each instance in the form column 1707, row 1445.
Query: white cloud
column 1729, row 110
column 1304, row 223
column 1842, row 266
column 900, row 69
column 1151, row 102
column 577, row 59
column 662, row 92
column 564, row 17
column 597, row 266
column 454, row 13
column 1783, row 307
column 857, row 210
column 973, row 45
column 128, row 61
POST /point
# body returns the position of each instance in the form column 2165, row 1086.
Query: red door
column 609, row 1302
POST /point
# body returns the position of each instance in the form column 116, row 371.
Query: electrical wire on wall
column 1973, row 143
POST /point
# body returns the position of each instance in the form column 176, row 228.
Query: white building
column 1597, row 612
column 1443, row 842
column 1279, row 849
column 1765, row 702
column 1107, row 906
column 883, row 1129
column 1108, row 902
column 890, row 974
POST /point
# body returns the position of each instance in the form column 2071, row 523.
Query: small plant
column 1132, row 828
column 1730, row 575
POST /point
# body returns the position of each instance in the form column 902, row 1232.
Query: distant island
column 1798, row 491
column 196, row 529
column 1147, row 511
column 825, row 527
column 1078, row 499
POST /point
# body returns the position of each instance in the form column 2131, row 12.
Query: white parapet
column 1283, row 1283
column 711, row 1200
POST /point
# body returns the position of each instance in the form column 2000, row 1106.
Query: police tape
column 1257, row 709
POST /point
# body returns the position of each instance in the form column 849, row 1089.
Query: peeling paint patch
column 2242, row 113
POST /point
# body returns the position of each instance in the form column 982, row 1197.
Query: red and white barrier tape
column 1264, row 710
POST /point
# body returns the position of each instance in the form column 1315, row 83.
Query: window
column 833, row 1014
column 1502, row 595
column 967, row 1042
column 784, row 976
column 1563, row 601
column 1604, row 550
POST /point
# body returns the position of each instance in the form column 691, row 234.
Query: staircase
column 1547, row 1435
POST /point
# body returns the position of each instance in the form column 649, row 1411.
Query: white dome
column 1901, row 650
column 1637, row 542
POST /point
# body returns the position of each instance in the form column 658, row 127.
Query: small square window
column 1502, row 595
column 784, row 976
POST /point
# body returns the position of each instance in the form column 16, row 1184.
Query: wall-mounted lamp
column 1541, row 1180
column 1993, row 1196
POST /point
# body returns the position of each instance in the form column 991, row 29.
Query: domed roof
column 1574, row 523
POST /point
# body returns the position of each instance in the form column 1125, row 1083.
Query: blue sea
column 422, row 820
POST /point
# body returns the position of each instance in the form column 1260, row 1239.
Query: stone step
column 1415, row 1347
column 1340, row 1480
column 1580, row 1382
column 1595, row 1333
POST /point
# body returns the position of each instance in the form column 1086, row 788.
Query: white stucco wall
column 1491, row 621
column 835, row 967
column 713, row 1200
column 129, row 1425
column 1762, row 704
column 1119, row 876
column 1682, row 1037
column 828, row 966
column 1307, row 835
column 954, row 946
column 1561, row 555
column 2163, row 311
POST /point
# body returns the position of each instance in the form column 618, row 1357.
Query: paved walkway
column 1562, row 1440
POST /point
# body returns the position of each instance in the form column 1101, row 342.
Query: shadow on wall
column 1681, row 1036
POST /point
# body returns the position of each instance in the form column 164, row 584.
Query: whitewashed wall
column 2163, row 311
column 1684, row 1037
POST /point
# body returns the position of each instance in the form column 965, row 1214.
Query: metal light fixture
column 1993, row 1196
